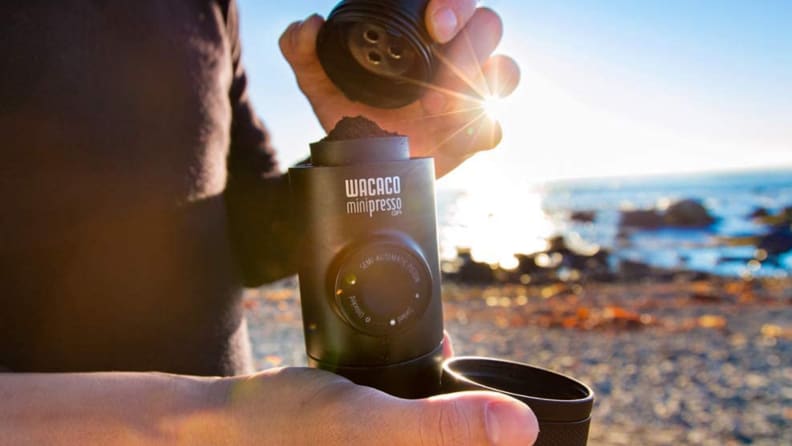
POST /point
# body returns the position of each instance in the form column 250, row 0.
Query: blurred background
column 687, row 100
column 633, row 227
column 609, row 88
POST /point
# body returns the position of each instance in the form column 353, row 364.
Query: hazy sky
column 608, row 88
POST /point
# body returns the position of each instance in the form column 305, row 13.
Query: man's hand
column 448, row 123
column 288, row 406
column 294, row 406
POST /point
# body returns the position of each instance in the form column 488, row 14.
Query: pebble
column 654, row 385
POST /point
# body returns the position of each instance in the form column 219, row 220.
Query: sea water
column 494, row 225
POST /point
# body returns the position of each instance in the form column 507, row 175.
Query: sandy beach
column 679, row 362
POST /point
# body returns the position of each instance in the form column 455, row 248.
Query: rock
column 529, row 271
column 707, row 298
column 471, row 271
column 688, row 213
column 776, row 242
column 557, row 243
column 596, row 262
column 784, row 216
column 618, row 317
column 759, row 212
column 685, row 213
column 583, row 216
column 787, row 213
column 559, row 256
column 642, row 218
column 604, row 387
column 600, row 276
column 630, row 270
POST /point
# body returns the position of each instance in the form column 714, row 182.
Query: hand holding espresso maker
column 369, row 270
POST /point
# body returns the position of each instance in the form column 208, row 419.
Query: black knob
column 378, row 51
column 382, row 288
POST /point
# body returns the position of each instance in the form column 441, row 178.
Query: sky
column 608, row 88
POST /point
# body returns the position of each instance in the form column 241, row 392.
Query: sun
column 494, row 107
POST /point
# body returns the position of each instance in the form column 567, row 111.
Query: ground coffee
column 355, row 128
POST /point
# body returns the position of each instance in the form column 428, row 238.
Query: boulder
column 782, row 217
column 777, row 242
column 689, row 214
column 759, row 212
column 583, row 216
column 528, row 268
column 471, row 271
column 642, row 218
column 630, row 270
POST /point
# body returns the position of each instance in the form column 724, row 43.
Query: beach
column 680, row 361
column 671, row 297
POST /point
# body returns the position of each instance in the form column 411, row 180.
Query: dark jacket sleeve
column 257, row 193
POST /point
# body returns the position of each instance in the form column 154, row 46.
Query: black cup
column 561, row 404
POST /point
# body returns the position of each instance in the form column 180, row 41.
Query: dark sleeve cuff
column 262, row 232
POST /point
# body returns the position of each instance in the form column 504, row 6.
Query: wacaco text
column 373, row 195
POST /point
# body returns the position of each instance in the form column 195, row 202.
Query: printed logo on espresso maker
column 373, row 195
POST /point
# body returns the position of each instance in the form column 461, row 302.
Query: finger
column 286, row 43
column 502, row 75
column 469, row 418
column 298, row 42
column 444, row 18
column 460, row 63
column 344, row 413
column 298, row 46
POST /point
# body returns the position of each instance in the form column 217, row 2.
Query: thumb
column 298, row 46
column 466, row 418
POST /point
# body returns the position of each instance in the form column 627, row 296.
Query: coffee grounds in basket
column 356, row 128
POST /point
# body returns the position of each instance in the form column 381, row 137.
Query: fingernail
column 310, row 17
column 445, row 23
column 301, row 24
column 510, row 423
column 295, row 29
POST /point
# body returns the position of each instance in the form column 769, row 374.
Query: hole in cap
column 371, row 36
column 396, row 52
column 374, row 57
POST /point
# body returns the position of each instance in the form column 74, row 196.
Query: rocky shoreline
column 569, row 259
column 681, row 360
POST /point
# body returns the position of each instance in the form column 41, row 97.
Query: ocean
column 495, row 223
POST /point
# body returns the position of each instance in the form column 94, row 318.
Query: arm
column 106, row 408
column 257, row 194
column 277, row 407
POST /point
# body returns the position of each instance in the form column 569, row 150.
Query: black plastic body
column 561, row 404
column 378, row 52
column 401, row 354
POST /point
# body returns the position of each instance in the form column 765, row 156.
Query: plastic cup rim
column 447, row 364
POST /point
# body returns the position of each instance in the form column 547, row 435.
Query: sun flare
column 494, row 107
column 494, row 222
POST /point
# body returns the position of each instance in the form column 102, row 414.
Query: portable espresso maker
column 369, row 271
